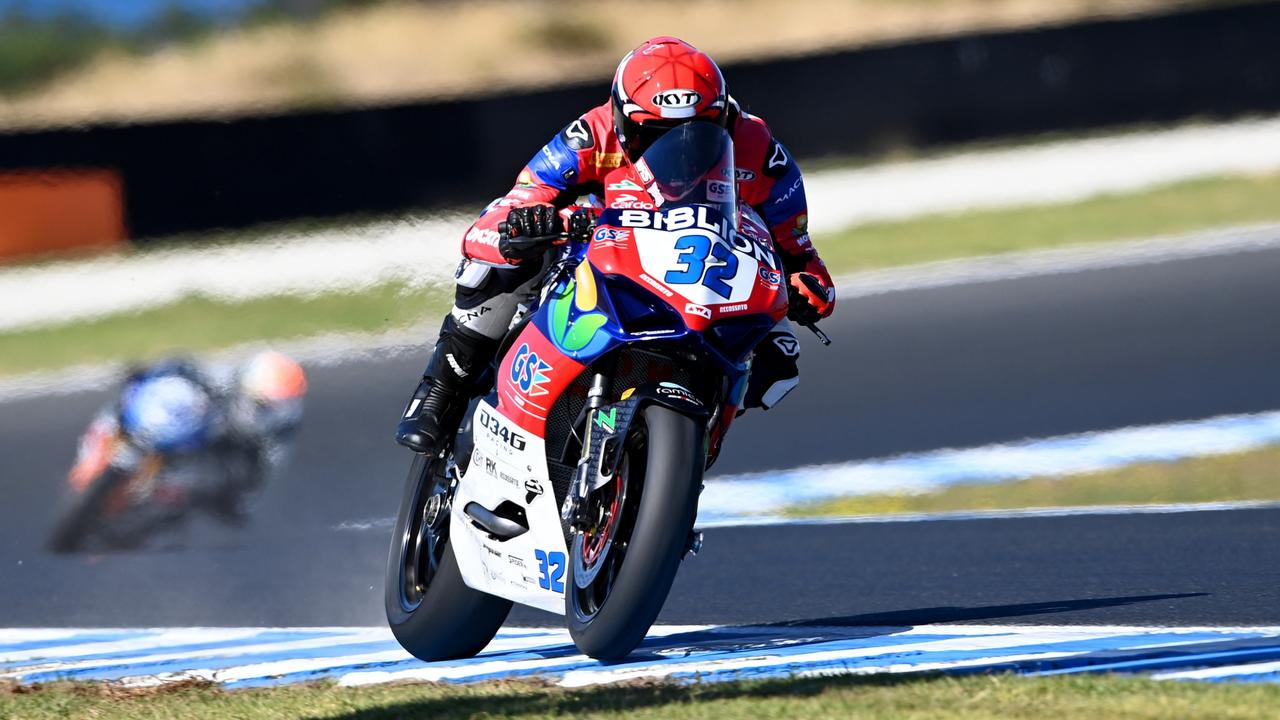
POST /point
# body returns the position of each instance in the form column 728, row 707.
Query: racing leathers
column 578, row 162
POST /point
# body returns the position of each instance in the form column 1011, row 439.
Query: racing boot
column 451, row 379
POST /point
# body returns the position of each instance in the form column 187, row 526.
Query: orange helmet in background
column 661, row 84
column 272, row 377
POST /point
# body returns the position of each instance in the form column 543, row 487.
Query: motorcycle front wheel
column 431, row 611
column 88, row 512
column 624, row 562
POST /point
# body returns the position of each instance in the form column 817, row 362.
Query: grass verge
column 1217, row 478
column 200, row 324
column 970, row 698
column 1177, row 208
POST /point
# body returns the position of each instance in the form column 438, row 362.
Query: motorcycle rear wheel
column 431, row 611
column 662, row 461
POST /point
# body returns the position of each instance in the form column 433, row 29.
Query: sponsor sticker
column 499, row 429
column 642, row 169
column 699, row 310
column 677, row 98
column 611, row 237
column 677, row 391
column 606, row 160
column 533, row 488
column 483, row 237
column 627, row 201
column 719, row 191
column 529, row 372
column 790, row 191
column 626, row 184
column 648, row 280
column 677, row 102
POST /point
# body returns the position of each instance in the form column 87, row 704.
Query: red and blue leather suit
column 576, row 163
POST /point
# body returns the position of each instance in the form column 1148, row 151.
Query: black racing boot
column 430, row 416
column 434, row 411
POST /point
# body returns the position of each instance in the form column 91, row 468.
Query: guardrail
column 195, row 175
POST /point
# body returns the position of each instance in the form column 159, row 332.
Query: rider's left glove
column 528, row 232
column 810, row 298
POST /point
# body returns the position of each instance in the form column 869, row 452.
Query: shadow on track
column 539, row 701
column 929, row 616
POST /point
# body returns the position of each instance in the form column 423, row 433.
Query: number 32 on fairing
column 700, row 266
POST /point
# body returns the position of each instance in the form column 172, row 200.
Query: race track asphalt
column 910, row 371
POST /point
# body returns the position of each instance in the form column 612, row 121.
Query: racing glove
column 528, row 232
column 581, row 223
column 809, row 297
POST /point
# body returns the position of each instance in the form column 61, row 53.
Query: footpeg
column 694, row 543
column 504, row 522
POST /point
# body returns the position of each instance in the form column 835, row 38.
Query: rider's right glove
column 581, row 223
column 528, row 232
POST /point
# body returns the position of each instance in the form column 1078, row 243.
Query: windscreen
column 692, row 164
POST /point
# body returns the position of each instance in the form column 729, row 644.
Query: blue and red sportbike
column 573, row 486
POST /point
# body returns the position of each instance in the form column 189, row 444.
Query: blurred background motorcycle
column 179, row 438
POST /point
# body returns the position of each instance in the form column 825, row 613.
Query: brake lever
column 813, row 327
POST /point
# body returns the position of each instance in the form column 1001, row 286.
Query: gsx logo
column 529, row 372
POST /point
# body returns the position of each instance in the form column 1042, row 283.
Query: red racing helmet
column 661, row 84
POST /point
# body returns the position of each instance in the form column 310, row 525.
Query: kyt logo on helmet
column 664, row 83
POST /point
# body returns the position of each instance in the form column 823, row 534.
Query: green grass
column 1253, row 475
column 971, row 698
column 1178, row 208
column 197, row 324
column 200, row 324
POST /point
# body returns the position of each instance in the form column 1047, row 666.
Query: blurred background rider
column 223, row 431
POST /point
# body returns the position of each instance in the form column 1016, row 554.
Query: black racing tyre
column 663, row 458
column 79, row 524
column 431, row 611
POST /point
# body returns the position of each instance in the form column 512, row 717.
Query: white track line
column 193, row 655
column 771, row 491
column 1061, row 261
column 710, row 652
column 1222, row 673
column 957, row 515
column 1055, row 172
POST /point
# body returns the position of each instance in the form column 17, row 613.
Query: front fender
column 612, row 422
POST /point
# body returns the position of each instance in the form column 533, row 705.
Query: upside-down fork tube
column 582, row 479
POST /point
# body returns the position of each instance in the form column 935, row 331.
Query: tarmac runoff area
column 425, row 250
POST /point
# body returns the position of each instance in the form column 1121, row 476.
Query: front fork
column 582, row 478
column 590, row 476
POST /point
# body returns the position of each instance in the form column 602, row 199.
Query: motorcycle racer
column 663, row 83
column 224, row 428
